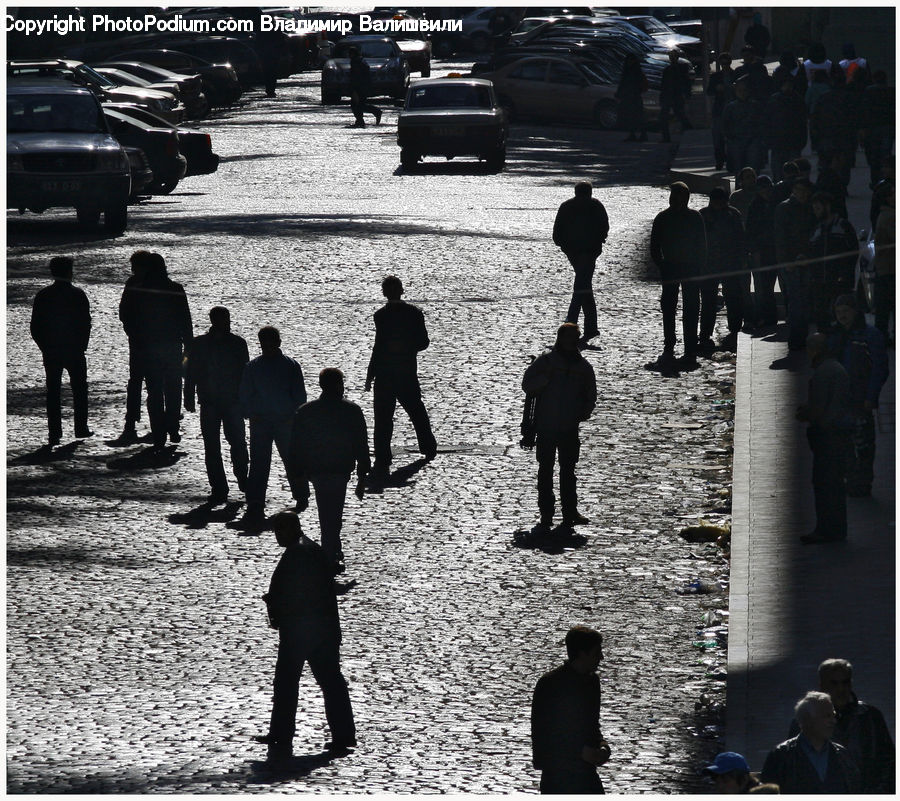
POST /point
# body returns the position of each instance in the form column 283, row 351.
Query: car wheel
column 116, row 219
column 496, row 159
column 480, row 41
column 606, row 115
column 426, row 70
column 330, row 98
column 87, row 216
column 164, row 187
column 408, row 159
column 510, row 107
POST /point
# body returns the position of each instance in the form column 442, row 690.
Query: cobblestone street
column 138, row 654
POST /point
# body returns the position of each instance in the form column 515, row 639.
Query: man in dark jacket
column 61, row 328
column 785, row 114
column 860, row 728
column 567, row 745
column 400, row 334
column 328, row 440
column 742, row 125
column 215, row 364
column 721, row 89
column 139, row 261
column 580, row 229
column 754, row 72
column 794, row 224
column 811, row 762
column 674, row 89
column 270, row 392
column 760, row 229
column 833, row 240
column 157, row 312
column 566, row 390
column 302, row 605
column 725, row 251
column 828, row 413
column 360, row 86
column 678, row 249
column 860, row 348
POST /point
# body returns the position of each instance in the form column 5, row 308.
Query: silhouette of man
column 563, row 382
column 834, row 241
column 860, row 728
column 567, row 746
column 812, row 762
column 215, row 364
column 157, row 312
column 270, row 392
column 400, row 334
column 360, row 86
column 139, row 261
column 580, row 229
column 61, row 328
column 302, row 605
column 674, row 89
column 794, row 224
column 328, row 440
column 829, row 414
column 678, row 249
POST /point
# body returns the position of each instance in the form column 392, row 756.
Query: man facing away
column 61, row 328
column 360, row 86
column 328, row 440
column 302, row 605
column 215, row 365
column 400, row 334
column 580, row 229
column 139, row 261
column 565, row 387
column 271, row 390
column 567, row 745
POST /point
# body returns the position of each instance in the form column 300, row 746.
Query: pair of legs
column 690, row 313
column 359, row 105
column 738, row 307
column 709, row 310
column 664, row 110
column 133, row 388
column 331, row 492
column 568, row 782
column 163, row 372
column 796, row 285
column 745, row 153
column 297, row 644
column 389, row 391
column 263, row 433
column 76, row 366
column 765, row 309
column 566, row 446
column 229, row 419
column 584, row 265
column 830, row 451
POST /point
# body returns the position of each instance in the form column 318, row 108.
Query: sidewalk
column 791, row 605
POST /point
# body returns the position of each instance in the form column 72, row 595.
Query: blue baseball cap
column 726, row 762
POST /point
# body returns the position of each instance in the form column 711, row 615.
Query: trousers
column 359, row 104
column 584, row 265
column 567, row 782
column 163, row 372
column 829, row 450
column 567, row 445
column 796, row 287
column 76, row 366
column 263, row 433
column 134, row 386
column 407, row 392
column 690, row 313
column 331, row 492
column 228, row 418
column 709, row 307
column 736, row 291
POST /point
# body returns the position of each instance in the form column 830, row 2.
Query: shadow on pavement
column 399, row 478
column 146, row 459
column 794, row 362
column 204, row 514
column 557, row 541
column 265, row 772
column 46, row 454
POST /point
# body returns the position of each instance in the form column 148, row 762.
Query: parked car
column 388, row 68
column 690, row 46
column 162, row 103
column 141, row 174
column 124, row 78
column 415, row 46
column 195, row 146
column 190, row 87
column 219, row 49
column 452, row 117
column 160, row 145
column 60, row 153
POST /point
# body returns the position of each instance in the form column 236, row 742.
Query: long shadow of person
column 560, row 539
column 146, row 459
column 399, row 477
column 204, row 514
column 278, row 770
column 46, row 454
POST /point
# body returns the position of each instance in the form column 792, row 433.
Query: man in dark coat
column 567, row 746
column 678, row 249
column 158, row 314
column 139, row 260
column 302, row 605
column 811, row 762
column 61, row 328
column 580, row 229
column 215, row 363
column 328, row 440
column 794, row 224
column 757, row 37
column 760, row 230
column 400, row 334
column 674, row 89
column 753, row 70
column 742, row 125
column 785, row 126
column 833, row 240
column 566, row 390
column 360, row 86
column 721, row 89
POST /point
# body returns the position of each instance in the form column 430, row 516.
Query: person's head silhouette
column 269, row 340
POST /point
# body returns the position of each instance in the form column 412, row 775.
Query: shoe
column 127, row 437
column 379, row 472
column 729, row 343
column 215, row 498
column 358, row 125
column 575, row 519
column 378, row 116
column 254, row 519
column 706, row 345
column 542, row 529
column 54, row 439
column 83, row 433
column 430, row 454
column 340, row 745
column 175, row 437
column 265, row 739
column 302, row 505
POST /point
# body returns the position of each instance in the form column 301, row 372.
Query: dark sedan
column 160, row 145
column 189, row 86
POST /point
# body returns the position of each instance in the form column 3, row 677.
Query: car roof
column 452, row 82
column 42, row 62
column 43, row 86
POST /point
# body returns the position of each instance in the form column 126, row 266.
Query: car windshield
column 53, row 112
column 651, row 25
column 460, row 96
column 376, row 49
column 95, row 77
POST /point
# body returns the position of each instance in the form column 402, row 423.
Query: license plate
column 60, row 186
column 456, row 130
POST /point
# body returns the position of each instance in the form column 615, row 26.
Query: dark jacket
column 760, row 227
column 796, row 74
column 581, row 226
column 61, row 320
column 786, row 122
column 862, row 352
column 329, row 437
column 789, row 768
column 360, row 77
column 566, row 388
column 794, row 224
column 759, row 84
column 215, row 364
column 725, row 247
column 301, row 591
column 678, row 243
column 725, row 79
column 830, row 181
column 675, row 85
column 742, row 120
column 836, row 239
column 565, row 717
column 272, row 387
column 155, row 312
column 127, row 303
column 400, row 334
column 829, row 397
column 835, row 119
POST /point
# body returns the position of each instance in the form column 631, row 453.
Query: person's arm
column 185, row 324
column 558, row 225
column 84, row 319
column 421, row 341
column 602, row 222
column 37, row 322
column 656, row 253
column 541, row 712
column 190, row 375
column 361, row 451
column 883, row 754
column 588, row 393
column 246, row 391
column 537, row 376
column 700, row 239
column 298, row 387
column 373, row 359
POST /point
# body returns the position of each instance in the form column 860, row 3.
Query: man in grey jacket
column 271, row 390
column 566, row 391
column 329, row 439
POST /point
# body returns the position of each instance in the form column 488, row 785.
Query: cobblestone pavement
column 138, row 656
